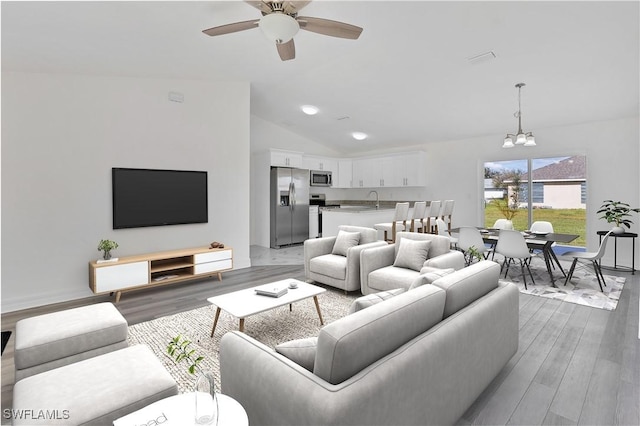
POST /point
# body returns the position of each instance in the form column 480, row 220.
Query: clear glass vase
column 206, row 402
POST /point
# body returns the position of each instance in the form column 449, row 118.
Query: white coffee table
column 179, row 410
column 244, row 303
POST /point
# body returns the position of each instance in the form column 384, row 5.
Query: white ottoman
column 95, row 391
column 53, row 340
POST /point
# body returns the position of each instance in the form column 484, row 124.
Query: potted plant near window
column 617, row 212
column 511, row 182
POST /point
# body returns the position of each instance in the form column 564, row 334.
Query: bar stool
column 399, row 222
column 447, row 211
column 433, row 212
column 419, row 209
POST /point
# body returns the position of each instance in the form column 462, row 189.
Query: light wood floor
column 575, row 365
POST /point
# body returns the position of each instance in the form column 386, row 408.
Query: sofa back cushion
column 344, row 241
column 354, row 342
column 468, row 284
column 367, row 235
column 439, row 244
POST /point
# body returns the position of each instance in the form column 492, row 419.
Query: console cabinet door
column 117, row 277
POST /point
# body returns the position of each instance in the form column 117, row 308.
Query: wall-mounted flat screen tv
column 146, row 197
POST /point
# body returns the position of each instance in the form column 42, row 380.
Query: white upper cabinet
column 396, row 170
column 281, row 158
column 313, row 162
column 345, row 174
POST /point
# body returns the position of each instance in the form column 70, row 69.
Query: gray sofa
column 338, row 267
column 380, row 270
column 421, row 357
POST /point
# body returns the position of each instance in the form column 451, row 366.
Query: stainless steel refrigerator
column 289, row 206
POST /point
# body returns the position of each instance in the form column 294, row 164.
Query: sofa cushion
column 412, row 254
column 344, row 241
column 390, row 277
column 348, row 345
column 373, row 299
column 439, row 243
column 429, row 274
column 300, row 351
column 468, row 284
column 330, row 265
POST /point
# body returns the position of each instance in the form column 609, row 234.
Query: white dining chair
column 399, row 222
column 586, row 257
column 543, row 227
column 442, row 230
column 512, row 245
column 432, row 213
column 468, row 237
column 419, row 210
column 447, row 212
column 503, row 224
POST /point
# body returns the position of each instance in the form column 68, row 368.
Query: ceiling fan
column 280, row 22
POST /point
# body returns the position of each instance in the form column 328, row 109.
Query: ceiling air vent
column 482, row 57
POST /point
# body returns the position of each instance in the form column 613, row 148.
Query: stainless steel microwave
column 320, row 178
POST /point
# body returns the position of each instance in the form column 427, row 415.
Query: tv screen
column 145, row 197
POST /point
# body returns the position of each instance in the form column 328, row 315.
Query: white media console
column 167, row 267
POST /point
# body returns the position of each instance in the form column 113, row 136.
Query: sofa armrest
column 371, row 259
column 316, row 247
column 288, row 394
column 454, row 259
column 353, row 261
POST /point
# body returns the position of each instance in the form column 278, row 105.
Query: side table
column 615, row 266
column 179, row 410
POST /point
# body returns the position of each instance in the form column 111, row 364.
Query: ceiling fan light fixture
column 359, row 136
column 309, row 109
column 279, row 27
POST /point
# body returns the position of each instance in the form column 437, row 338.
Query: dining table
column 535, row 241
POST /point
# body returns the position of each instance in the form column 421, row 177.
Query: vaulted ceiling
column 407, row 80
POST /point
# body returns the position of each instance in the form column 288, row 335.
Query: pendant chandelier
column 520, row 138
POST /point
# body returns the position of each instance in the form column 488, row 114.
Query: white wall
column 454, row 170
column 62, row 134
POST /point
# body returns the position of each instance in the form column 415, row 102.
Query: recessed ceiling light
column 359, row 136
column 309, row 109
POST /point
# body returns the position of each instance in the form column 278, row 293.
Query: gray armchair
column 382, row 269
column 341, row 269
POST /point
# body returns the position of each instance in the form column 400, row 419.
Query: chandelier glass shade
column 279, row 27
column 520, row 138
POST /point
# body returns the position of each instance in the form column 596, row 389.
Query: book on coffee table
column 272, row 290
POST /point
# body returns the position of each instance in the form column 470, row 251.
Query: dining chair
column 512, row 245
column 419, row 209
column 442, row 230
column 432, row 212
column 447, row 212
column 585, row 257
column 399, row 222
column 468, row 237
column 543, row 227
column 503, row 224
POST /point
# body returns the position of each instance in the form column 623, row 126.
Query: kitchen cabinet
column 313, row 162
column 345, row 174
column 280, row 158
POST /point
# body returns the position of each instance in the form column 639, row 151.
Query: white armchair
column 395, row 266
column 336, row 261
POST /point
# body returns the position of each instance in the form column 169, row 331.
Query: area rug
column 583, row 289
column 272, row 327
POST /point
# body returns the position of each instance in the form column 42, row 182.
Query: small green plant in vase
column 106, row 246
column 206, row 411
column 617, row 212
column 471, row 254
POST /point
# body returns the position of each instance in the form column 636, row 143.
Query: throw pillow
column 428, row 275
column 344, row 241
column 372, row 299
column 300, row 351
column 412, row 254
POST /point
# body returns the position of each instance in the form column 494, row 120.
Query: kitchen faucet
column 377, row 198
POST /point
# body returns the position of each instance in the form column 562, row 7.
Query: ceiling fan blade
column 329, row 27
column 262, row 6
column 286, row 50
column 232, row 28
column 292, row 7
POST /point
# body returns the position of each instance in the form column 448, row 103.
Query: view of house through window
column 538, row 189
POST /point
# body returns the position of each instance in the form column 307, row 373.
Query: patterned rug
column 583, row 289
column 271, row 328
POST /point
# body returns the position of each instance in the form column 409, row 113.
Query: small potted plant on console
column 617, row 212
column 106, row 246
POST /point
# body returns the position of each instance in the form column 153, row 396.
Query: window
column 550, row 189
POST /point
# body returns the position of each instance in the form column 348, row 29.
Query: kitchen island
column 356, row 216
